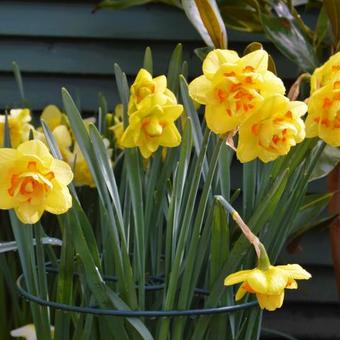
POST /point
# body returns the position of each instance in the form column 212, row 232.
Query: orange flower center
column 152, row 127
column 328, row 119
column 31, row 184
column 144, row 91
column 241, row 97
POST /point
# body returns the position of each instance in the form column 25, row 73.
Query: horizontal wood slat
column 306, row 321
column 95, row 57
column 76, row 20
column 43, row 90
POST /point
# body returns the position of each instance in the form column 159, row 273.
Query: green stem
column 42, row 282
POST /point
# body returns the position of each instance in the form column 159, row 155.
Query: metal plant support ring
column 130, row 313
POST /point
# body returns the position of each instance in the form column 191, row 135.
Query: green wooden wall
column 62, row 43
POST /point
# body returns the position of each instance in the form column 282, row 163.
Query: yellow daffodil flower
column 323, row 118
column 118, row 128
column 327, row 73
column 266, row 281
column 53, row 117
column 19, row 127
column 82, row 174
column 27, row 332
column 153, row 124
column 232, row 88
column 272, row 130
column 33, row 181
column 143, row 86
column 268, row 285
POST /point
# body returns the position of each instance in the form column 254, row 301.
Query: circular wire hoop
column 129, row 313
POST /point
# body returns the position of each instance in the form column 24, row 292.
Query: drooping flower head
column 272, row 130
column 19, row 127
column 33, row 181
column 267, row 282
column 232, row 88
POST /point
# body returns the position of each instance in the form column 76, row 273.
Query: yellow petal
column 51, row 115
column 170, row 136
column 160, row 83
column 270, row 302
column 200, row 89
column 28, row 213
column 130, row 137
column 7, row 156
column 272, row 85
column 36, row 148
column 218, row 120
column 6, row 201
column 277, row 280
column 62, row 171
column 257, row 59
column 142, row 75
column 172, row 112
column 62, row 136
column 145, row 151
column 291, row 284
column 241, row 292
column 237, row 277
column 298, row 108
column 58, row 200
column 295, row 271
column 257, row 280
column 216, row 58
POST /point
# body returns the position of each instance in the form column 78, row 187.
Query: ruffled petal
column 200, row 89
column 257, row 59
column 62, row 171
column 218, row 119
column 58, row 200
column 28, row 213
column 215, row 59
column 37, row 149
column 51, row 116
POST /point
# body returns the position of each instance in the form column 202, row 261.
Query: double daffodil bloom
column 323, row 118
column 266, row 281
column 143, row 86
column 272, row 130
column 326, row 73
column 232, row 88
column 27, row 332
column 53, row 117
column 153, row 124
column 19, row 127
column 33, row 181
column 69, row 148
column 117, row 128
